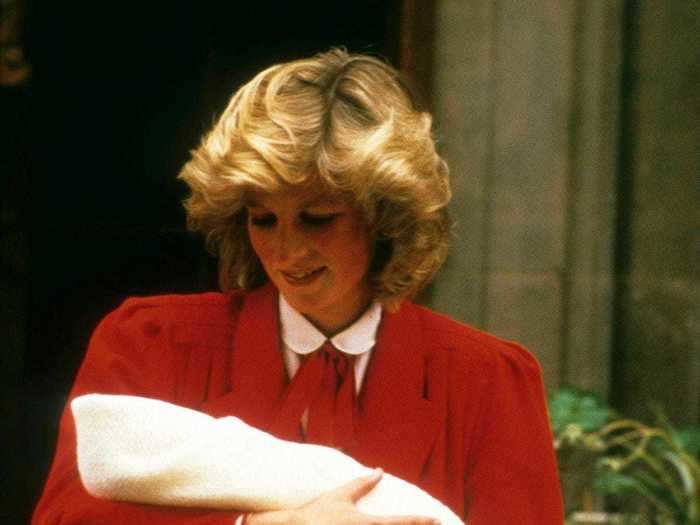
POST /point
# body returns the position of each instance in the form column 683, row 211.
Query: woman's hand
column 337, row 507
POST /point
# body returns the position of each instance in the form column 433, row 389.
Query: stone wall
column 571, row 129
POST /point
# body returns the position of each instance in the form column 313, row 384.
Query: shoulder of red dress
column 468, row 342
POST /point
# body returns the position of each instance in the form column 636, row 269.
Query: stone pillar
column 657, row 351
column 522, row 95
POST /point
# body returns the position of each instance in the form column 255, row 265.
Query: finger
column 360, row 486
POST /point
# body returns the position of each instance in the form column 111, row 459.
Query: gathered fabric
column 320, row 401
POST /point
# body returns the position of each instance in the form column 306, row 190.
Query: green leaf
column 610, row 482
column 637, row 481
column 659, row 446
column 689, row 439
column 573, row 406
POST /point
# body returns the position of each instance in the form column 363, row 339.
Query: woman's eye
column 263, row 221
column 318, row 219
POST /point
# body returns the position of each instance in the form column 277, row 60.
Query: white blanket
column 149, row 451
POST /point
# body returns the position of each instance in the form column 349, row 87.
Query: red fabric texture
column 454, row 410
column 325, row 385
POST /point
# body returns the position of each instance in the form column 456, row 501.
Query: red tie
column 325, row 385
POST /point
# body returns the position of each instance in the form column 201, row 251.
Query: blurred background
column 572, row 129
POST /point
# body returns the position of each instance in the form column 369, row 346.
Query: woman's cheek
column 260, row 244
column 323, row 239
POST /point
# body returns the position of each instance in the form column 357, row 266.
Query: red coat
column 452, row 409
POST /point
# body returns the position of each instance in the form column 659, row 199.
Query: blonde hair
column 342, row 123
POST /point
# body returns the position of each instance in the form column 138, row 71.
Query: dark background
column 91, row 147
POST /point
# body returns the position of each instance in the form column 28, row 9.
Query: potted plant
column 653, row 470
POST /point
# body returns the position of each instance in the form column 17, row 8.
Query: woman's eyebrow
column 250, row 202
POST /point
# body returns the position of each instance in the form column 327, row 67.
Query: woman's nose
column 290, row 244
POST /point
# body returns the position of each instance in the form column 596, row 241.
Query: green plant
column 659, row 464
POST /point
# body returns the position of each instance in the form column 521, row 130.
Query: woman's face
column 316, row 250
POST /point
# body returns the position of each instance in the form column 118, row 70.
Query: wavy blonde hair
column 341, row 123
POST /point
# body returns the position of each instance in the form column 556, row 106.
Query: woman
column 321, row 191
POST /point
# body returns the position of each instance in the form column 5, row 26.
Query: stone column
column 657, row 350
column 525, row 98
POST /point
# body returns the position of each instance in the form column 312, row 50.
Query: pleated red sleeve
column 130, row 352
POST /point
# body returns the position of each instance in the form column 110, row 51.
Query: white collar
column 302, row 337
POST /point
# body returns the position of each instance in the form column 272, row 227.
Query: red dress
column 454, row 410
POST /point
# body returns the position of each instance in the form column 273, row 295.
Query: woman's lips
column 302, row 278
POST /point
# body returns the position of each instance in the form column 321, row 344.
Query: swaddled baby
column 148, row 451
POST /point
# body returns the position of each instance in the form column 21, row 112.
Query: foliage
column 659, row 464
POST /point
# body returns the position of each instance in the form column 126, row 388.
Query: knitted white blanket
column 148, row 451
